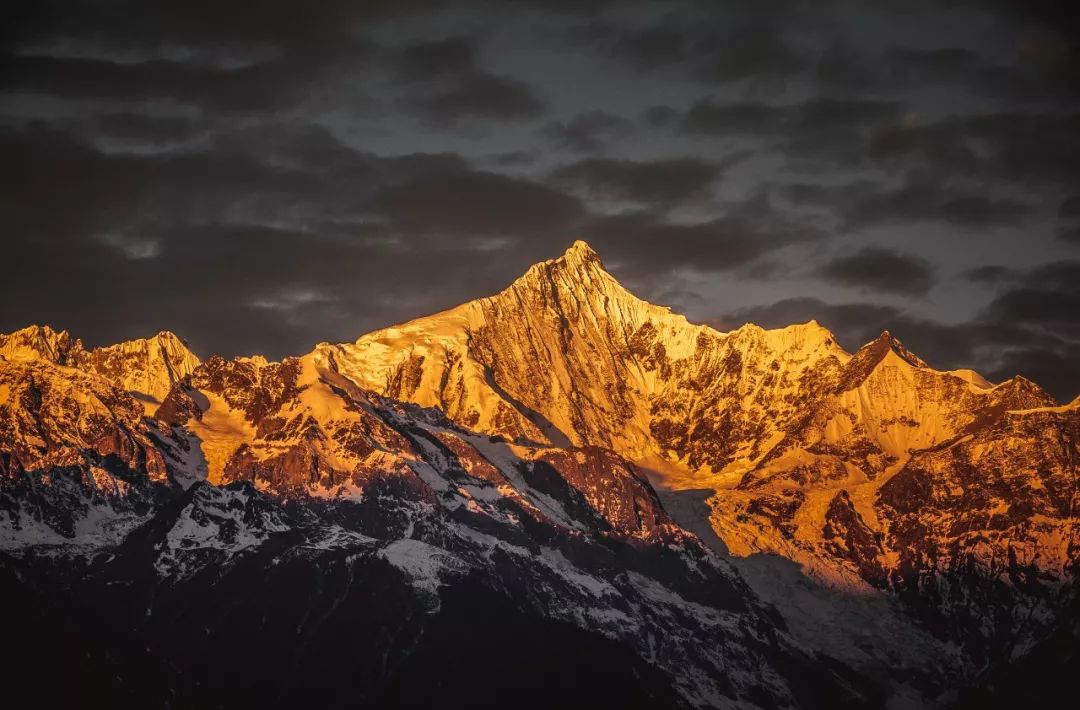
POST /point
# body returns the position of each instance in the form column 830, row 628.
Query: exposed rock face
column 53, row 417
column 500, row 451
column 613, row 486
column 77, row 460
column 985, row 529
column 847, row 536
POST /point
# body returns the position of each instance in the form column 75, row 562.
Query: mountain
column 567, row 355
column 147, row 367
column 755, row 518
column 805, row 446
column 274, row 524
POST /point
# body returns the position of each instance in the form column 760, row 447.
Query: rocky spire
column 578, row 265
column 891, row 342
column 580, row 255
column 870, row 355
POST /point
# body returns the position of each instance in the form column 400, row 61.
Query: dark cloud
column 921, row 197
column 450, row 86
column 513, row 158
column 218, row 56
column 148, row 129
column 766, row 43
column 919, row 66
column 1048, row 297
column 116, row 192
column 1070, row 207
column 428, row 61
column 935, row 202
column 287, row 222
column 270, row 66
column 586, row 132
column 261, row 86
column 244, row 288
column 481, row 95
column 1042, row 307
column 246, row 255
column 883, row 270
column 735, row 44
column 819, row 131
column 259, row 179
column 991, row 274
column 245, row 173
column 292, row 220
column 797, row 123
column 658, row 182
column 647, row 248
column 132, row 24
column 843, row 67
column 478, row 204
column 755, row 51
column 1068, row 230
column 1013, row 146
column 840, row 66
column 1048, row 316
column 650, row 47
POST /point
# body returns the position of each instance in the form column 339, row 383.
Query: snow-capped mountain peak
column 146, row 367
column 40, row 342
column 517, row 439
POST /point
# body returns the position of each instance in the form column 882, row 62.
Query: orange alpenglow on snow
column 567, row 401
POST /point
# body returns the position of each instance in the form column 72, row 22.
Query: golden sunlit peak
column 577, row 260
column 579, row 253
column 581, row 247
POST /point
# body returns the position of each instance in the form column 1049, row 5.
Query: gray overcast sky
column 259, row 178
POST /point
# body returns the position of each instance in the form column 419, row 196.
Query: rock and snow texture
column 514, row 439
column 316, row 482
column 781, row 421
column 798, row 438
column 148, row 367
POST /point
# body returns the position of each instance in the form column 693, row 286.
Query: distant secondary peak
column 868, row 357
column 38, row 333
column 1018, row 392
column 40, row 342
column 887, row 341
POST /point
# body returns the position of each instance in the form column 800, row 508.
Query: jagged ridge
column 865, row 469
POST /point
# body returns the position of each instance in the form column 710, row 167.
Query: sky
column 261, row 177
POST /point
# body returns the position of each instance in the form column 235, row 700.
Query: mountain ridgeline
column 559, row 488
